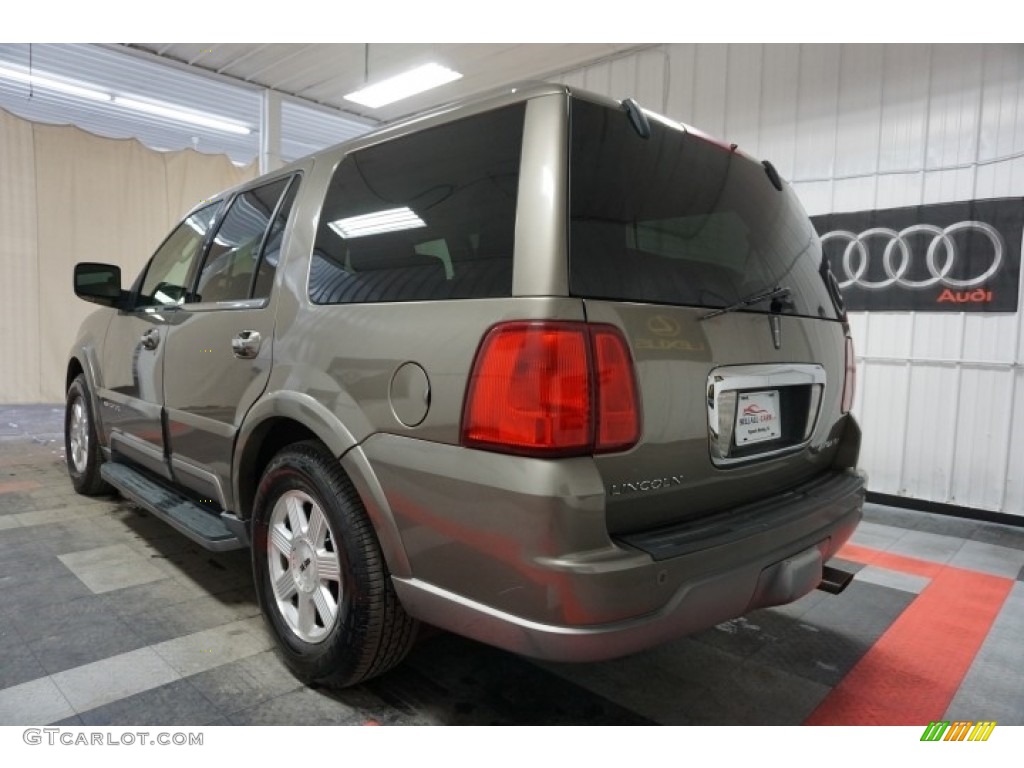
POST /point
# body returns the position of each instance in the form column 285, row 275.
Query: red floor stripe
column 911, row 674
column 892, row 562
column 14, row 486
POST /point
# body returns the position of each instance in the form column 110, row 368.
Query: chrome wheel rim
column 305, row 572
column 78, row 435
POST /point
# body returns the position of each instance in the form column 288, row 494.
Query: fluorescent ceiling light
column 391, row 220
column 44, row 81
column 163, row 110
column 174, row 113
column 402, row 86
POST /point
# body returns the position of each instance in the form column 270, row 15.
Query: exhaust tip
column 834, row 580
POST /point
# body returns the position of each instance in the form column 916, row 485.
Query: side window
column 425, row 216
column 170, row 269
column 230, row 265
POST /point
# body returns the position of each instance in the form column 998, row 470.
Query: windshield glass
column 678, row 219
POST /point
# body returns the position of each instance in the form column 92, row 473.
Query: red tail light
column 850, row 379
column 551, row 389
column 618, row 423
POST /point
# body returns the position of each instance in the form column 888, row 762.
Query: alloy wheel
column 305, row 570
column 78, row 435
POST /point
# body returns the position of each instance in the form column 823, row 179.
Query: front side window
column 231, row 263
column 170, row 269
column 425, row 216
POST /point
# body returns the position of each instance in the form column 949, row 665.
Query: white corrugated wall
column 860, row 127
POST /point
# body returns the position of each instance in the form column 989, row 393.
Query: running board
column 834, row 580
column 203, row 527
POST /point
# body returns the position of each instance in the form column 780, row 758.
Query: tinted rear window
column 677, row 219
column 425, row 216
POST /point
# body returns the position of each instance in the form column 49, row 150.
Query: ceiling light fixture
column 175, row 113
column 49, row 83
column 402, row 86
column 391, row 220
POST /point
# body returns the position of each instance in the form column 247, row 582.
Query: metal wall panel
column 883, row 396
column 860, row 112
column 743, row 98
column 710, row 83
column 817, row 112
column 682, row 60
column 1014, row 486
column 981, row 438
column 929, row 435
column 859, row 127
column 650, row 76
column 779, row 78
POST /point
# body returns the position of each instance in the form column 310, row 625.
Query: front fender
column 86, row 350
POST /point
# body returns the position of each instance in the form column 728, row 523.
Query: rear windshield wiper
column 749, row 300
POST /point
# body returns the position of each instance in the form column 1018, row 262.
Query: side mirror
column 98, row 283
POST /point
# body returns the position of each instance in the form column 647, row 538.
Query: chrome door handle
column 150, row 338
column 246, row 345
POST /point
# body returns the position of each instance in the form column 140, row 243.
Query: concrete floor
column 108, row 616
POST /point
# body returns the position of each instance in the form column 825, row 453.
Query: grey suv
column 543, row 369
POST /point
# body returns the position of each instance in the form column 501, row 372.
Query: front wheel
column 81, row 446
column 320, row 575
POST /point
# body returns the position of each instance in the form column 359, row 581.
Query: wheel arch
column 74, row 370
column 283, row 419
column 82, row 362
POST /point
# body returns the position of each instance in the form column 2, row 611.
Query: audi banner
column 948, row 257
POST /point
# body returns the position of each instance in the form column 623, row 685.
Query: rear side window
column 423, row 217
column 231, row 263
column 678, row 219
column 272, row 248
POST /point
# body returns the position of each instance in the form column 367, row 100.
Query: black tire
column 85, row 475
column 371, row 632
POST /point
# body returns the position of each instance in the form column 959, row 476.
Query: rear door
column 134, row 348
column 712, row 270
column 219, row 350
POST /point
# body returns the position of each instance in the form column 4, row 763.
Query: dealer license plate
column 758, row 417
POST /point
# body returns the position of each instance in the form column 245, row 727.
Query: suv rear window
column 425, row 216
column 677, row 219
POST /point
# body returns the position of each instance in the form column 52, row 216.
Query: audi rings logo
column 941, row 256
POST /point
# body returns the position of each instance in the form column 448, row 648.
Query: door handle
column 246, row 345
column 150, row 338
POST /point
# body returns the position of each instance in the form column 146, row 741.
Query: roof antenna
column 366, row 63
column 30, row 92
column 637, row 118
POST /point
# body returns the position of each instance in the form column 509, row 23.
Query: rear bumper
column 694, row 607
column 522, row 560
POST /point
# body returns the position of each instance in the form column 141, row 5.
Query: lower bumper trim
column 697, row 605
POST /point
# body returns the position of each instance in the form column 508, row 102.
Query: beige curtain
column 68, row 196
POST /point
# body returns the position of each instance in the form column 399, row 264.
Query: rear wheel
column 81, row 446
column 320, row 574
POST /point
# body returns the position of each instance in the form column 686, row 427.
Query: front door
column 134, row 350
